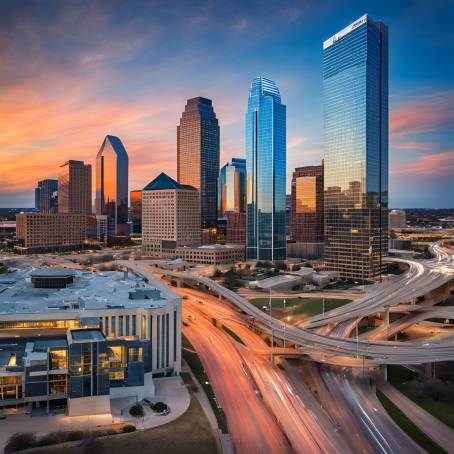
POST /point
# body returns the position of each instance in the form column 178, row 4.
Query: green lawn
column 408, row 427
column 196, row 366
column 189, row 433
column 299, row 306
column 398, row 376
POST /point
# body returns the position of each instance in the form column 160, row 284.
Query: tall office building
column 198, row 155
column 112, row 185
column 170, row 215
column 232, row 187
column 265, row 157
column 232, row 202
column 307, row 204
column 355, row 83
column 74, row 188
column 135, row 211
column 45, row 197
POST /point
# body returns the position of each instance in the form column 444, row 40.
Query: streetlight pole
column 285, row 323
column 271, row 326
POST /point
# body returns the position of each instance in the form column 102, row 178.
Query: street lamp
column 285, row 323
column 271, row 326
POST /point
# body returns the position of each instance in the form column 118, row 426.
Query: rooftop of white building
column 89, row 291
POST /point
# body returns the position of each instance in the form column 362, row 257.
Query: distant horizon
column 74, row 72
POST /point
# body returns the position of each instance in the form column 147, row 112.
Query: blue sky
column 72, row 72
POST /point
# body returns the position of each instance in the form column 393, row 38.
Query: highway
column 306, row 427
column 251, row 426
column 419, row 279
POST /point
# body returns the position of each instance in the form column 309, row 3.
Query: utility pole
column 285, row 323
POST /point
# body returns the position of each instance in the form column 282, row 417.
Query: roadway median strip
column 197, row 368
column 408, row 427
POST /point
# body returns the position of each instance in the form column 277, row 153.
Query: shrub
column 20, row 441
column 52, row 438
column 128, row 428
column 137, row 411
column 159, row 407
column 217, row 273
column 74, row 435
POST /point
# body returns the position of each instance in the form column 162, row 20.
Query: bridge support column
column 384, row 371
column 429, row 370
column 386, row 318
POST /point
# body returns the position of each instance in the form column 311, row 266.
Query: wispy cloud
column 429, row 165
column 426, row 114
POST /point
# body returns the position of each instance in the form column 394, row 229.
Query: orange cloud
column 436, row 164
column 429, row 114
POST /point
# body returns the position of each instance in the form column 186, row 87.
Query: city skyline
column 98, row 89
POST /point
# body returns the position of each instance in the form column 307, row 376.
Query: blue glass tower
column 266, row 173
column 355, row 84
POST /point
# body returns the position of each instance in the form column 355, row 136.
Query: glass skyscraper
column 198, row 155
column 112, row 185
column 45, row 199
column 232, row 187
column 74, row 188
column 355, row 84
column 266, row 173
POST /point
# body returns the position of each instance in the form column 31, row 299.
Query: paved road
column 305, row 426
column 252, row 427
column 440, row 433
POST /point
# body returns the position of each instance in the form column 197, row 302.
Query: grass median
column 400, row 376
column 196, row 366
column 308, row 307
column 408, row 427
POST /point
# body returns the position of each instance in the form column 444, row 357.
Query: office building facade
column 266, row 172
column 135, row 212
column 112, row 184
column 81, row 344
column 397, row 219
column 170, row 215
column 232, row 202
column 74, row 188
column 307, row 205
column 198, row 155
column 47, row 232
column 355, row 73
column 45, row 198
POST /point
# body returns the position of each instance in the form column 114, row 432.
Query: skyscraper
column 112, row 184
column 44, row 196
column 355, row 84
column 232, row 202
column 198, row 155
column 265, row 157
column 232, row 187
column 135, row 212
column 74, row 188
column 170, row 215
column 307, row 204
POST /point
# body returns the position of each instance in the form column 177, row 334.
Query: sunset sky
column 72, row 72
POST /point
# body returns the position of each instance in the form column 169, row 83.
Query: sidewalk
column 170, row 390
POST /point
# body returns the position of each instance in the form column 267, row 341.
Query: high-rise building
column 135, row 212
column 198, row 155
column 44, row 194
column 307, row 204
column 355, row 85
column 45, row 232
column 112, row 184
column 170, row 215
column 397, row 219
column 74, row 188
column 232, row 202
column 232, row 187
column 265, row 157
